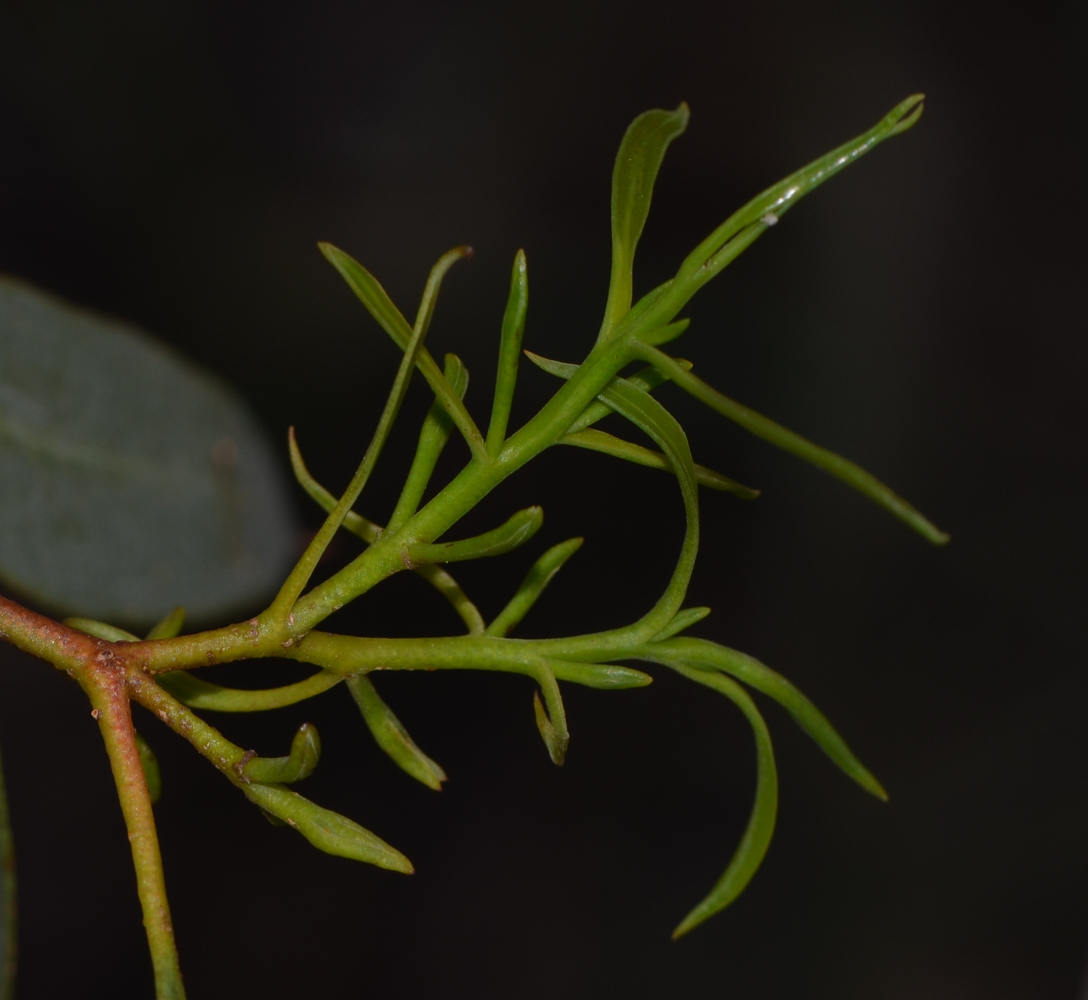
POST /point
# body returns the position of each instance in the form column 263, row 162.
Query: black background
column 174, row 163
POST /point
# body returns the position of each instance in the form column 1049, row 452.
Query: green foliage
column 114, row 666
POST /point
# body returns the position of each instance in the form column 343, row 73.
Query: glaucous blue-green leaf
column 130, row 480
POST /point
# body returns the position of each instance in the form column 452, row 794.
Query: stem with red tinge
column 109, row 697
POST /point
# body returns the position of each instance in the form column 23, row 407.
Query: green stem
column 110, row 698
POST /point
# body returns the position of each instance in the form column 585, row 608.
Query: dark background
column 174, row 163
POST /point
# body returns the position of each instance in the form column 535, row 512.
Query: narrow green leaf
column 647, row 380
column 433, row 437
column 533, row 586
column 358, row 525
column 299, row 764
column 637, row 164
column 841, row 468
column 300, row 575
column 751, row 221
column 683, row 620
column 704, row 655
column 197, row 693
column 517, row 531
column 391, row 735
column 513, row 329
column 130, row 479
column 650, row 416
column 152, row 772
column 368, row 531
column 450, row 589
column 327, row 831
column 757, row 834
column 100, row 630
column 389, row 318
column 608, row 444
column 170, row 626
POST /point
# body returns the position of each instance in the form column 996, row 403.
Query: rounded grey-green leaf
column 131, row 481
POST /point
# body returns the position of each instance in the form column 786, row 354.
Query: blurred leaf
column 130, row 480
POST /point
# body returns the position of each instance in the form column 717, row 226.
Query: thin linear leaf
column 533, row 586
column 390, row 734
column 647, row 380
column 650, row 416
column 368, row 531
column 381, row 307
column 757, row 834
column 755, row 423
column 433, row 437
column 683, row 620
column 513, row 329
column 637, row 164
column 751, row 221
column 300, row 575
column 299, row 764
column 197, row 693
column 130, row 479
column 609, row 444
column 505, row 538
column 580, row 436
column 705, row 655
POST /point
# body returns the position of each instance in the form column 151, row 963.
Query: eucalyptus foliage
column 161, row 670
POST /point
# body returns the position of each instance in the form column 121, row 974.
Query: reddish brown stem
column 108, row 691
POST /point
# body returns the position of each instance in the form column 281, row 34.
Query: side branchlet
column 116, row 667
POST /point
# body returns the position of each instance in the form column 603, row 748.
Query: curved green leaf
column 391, row 736
column 516, row 531
column 299, row 764
column 702, row 654
column 198, row 693
column 755, row 423
column 130, row 480
column 608, row 444
column 649, row 415
column 757, row 834
column 389, row 317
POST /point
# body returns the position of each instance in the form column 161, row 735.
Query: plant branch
column 105, row 686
